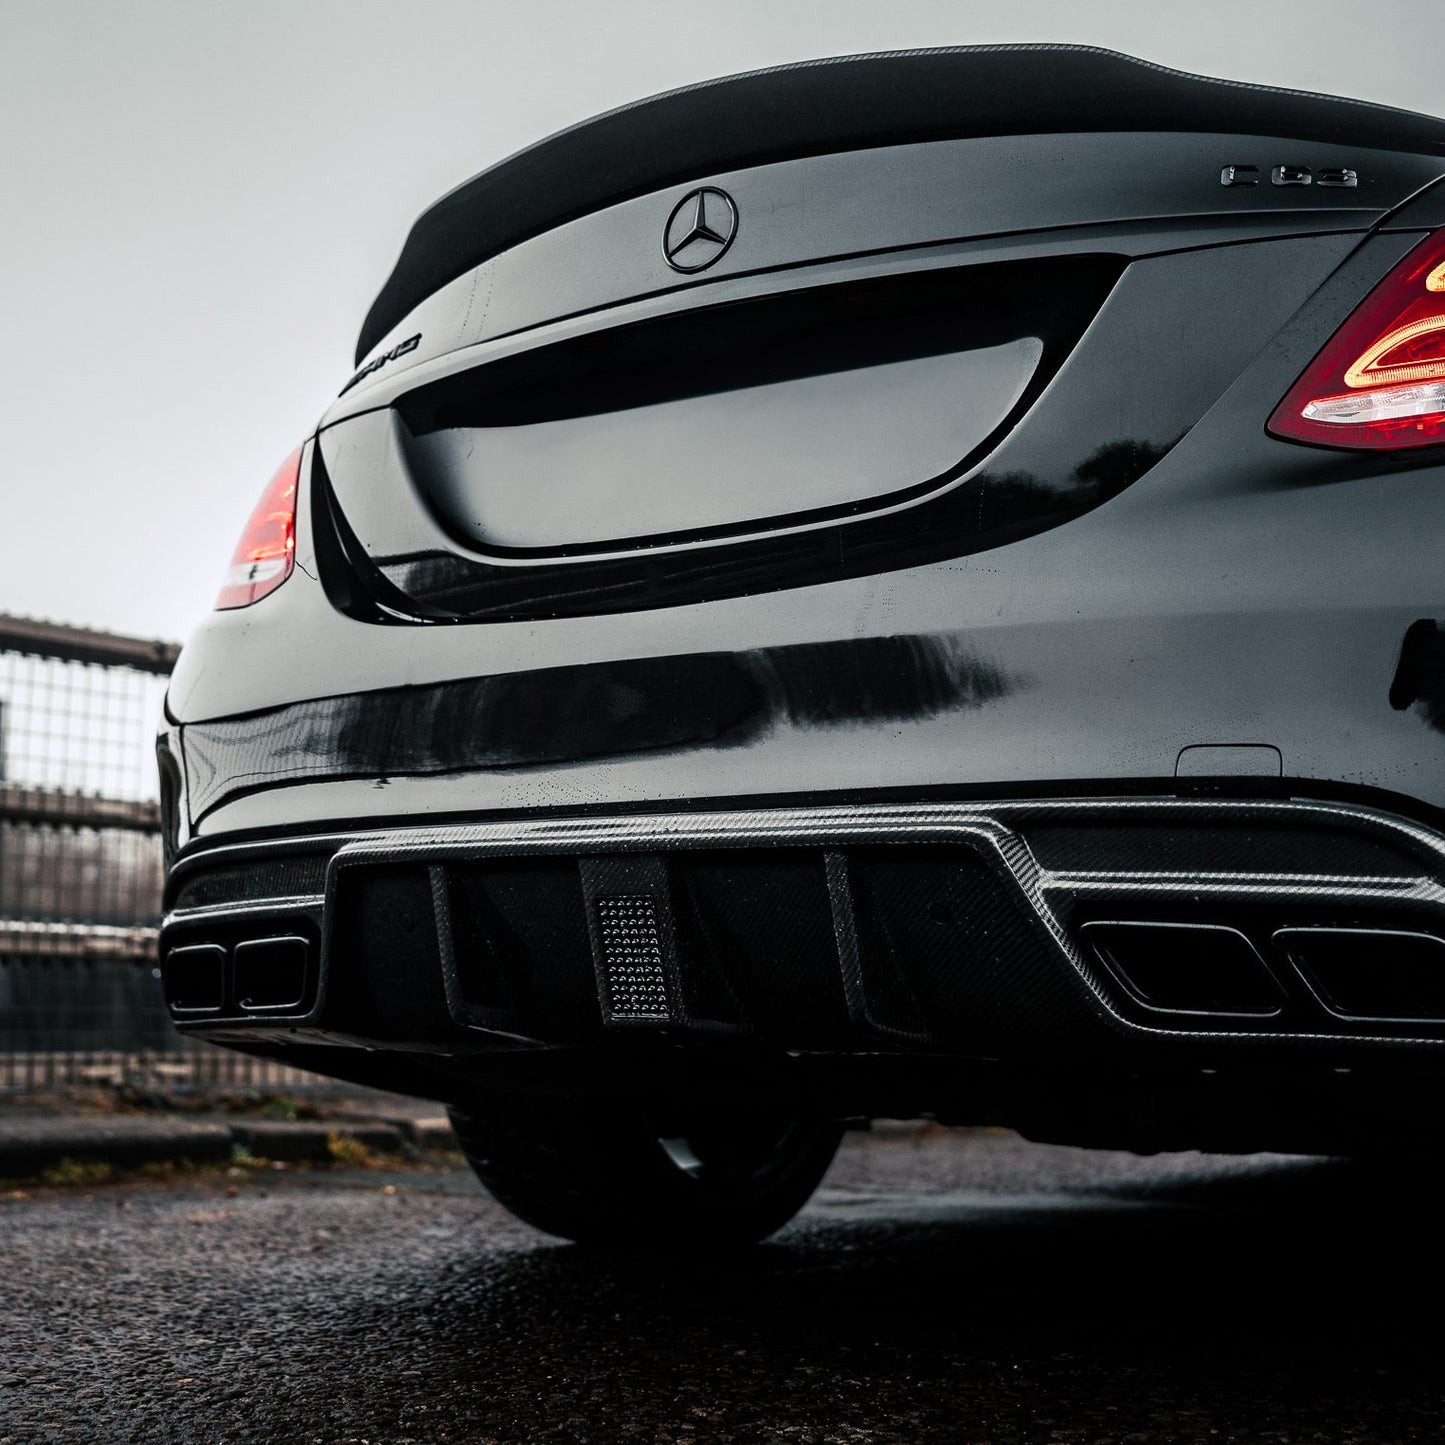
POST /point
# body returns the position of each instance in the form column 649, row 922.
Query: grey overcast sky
column 198, row 201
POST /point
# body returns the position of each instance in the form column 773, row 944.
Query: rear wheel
column 615, row 1172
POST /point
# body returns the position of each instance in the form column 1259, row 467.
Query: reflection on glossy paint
column 1003, row 497
column 877, row 679
column 1419, row 680
column 599, row 710
column 988, row 510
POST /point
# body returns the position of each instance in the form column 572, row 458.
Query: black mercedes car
column 910, row 585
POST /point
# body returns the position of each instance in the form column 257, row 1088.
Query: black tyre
column 615, row 1173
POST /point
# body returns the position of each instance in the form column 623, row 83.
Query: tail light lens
column 266, row 553
column 1380, row 382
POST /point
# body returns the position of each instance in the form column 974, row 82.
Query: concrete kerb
column 31, row 1146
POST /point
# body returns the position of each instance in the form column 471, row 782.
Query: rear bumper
column 1201, row 608
column 1131, row 934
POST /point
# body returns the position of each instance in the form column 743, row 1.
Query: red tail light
column 1380, row 382
column 266, row 553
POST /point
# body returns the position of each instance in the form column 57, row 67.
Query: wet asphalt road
column 954, row 1287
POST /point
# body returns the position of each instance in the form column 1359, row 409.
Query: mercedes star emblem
column 701, row 227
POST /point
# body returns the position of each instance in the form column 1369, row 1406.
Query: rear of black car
column 899, row 586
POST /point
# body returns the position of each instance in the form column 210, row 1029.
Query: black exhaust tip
column 271, row 974
column 194, row 978
column 1378, row 974
column 1187, row 968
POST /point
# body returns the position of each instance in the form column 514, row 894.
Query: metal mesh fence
column 80, row 868
column 58, row 873
column 78, row 726
column 188, row 1063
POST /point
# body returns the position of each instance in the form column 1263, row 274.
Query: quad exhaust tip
column 1357, row 974
column 255, row 976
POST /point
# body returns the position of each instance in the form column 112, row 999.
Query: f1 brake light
column 1379, row 383
column 266, row 553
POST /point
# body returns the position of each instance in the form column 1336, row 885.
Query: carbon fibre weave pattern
column 960, row 939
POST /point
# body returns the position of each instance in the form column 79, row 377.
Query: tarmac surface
column 943, row 1286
